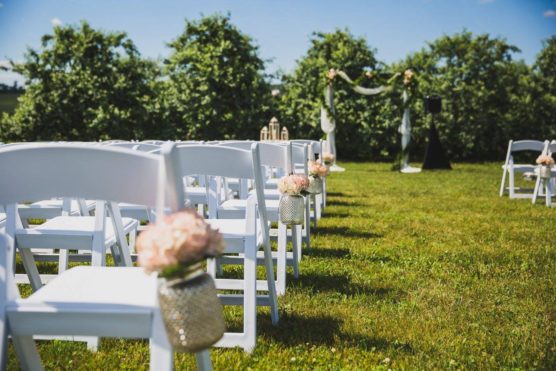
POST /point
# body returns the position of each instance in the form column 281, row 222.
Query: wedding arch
column 327, row 113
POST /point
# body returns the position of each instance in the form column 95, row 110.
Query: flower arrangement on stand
column 292, row 206
column 176, row 247
column 546, row 163
column 328, row 158
column 317, row 172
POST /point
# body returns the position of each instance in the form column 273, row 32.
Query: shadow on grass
column 294, row 329
column 337, row 194
column 346, row 232
column 323, row 252
column 340, row 203
column 335, row 214
column 322, row 330
column 327, row 282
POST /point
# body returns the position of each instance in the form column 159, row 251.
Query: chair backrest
column 42, row 171
column 218, row 161
column 526, row 145
column 550, row 147
column 315, row 146
column 271, row 154
column 143, row 147
column 300, row 157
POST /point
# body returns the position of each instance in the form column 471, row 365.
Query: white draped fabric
column 328, row 123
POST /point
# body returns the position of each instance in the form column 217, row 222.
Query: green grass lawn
column 429, row 270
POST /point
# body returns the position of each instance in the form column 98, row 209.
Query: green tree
column 359, row 133
column 83, row 84
column 482, row 89
column 216, row 88
column 542, row 100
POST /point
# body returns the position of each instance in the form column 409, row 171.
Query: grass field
column 425, row 271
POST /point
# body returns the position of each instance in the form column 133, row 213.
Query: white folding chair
column 96, row 234
column 510, row 168
column 549, row 184
column 83, row 301
column 273, row 156
column 241, row 236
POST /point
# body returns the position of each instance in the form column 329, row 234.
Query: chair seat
column 230, row 228
column 271, row 183
column 134, row 211
column 121, row 296
column 236, row 208
column 47, row 209
column 197, row 195
column 69, row 232
column 521, row 167
column 271, row 194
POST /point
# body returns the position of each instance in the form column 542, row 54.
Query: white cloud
column 56, row 22
column 550, row 13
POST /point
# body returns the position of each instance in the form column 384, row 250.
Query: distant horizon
column 282, row 31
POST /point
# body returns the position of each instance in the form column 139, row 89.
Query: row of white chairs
column 81, row 172
column 510, row 169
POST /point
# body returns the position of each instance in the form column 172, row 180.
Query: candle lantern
column 284, row 135
column 264, row 133
column 274, row 129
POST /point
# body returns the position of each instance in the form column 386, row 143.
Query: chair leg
column 269, row 268
column 162, row 356
column 536, row 191
column 318, row 210
column 211, row 267
column 307, row 224
column 512, row 184
column 63, row 260
column 250, row 297
column 203, row 361
column 31, row 268
column 27, row 353
column 296, row 242
column 281, row 259
column 503, row 183
column 132, row 239
column 548, row 193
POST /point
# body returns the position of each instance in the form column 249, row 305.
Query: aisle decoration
column 317, row 172
column 175, row 248
column 328, row 114
column 328, row 158
column 292, row 206
column 546, row 163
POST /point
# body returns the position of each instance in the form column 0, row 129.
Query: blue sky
column 282, row 29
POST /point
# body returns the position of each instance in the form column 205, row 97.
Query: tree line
column 87, row 85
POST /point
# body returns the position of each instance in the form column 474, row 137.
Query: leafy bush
column 82, row 85
column 216, row 88
column 488, row 98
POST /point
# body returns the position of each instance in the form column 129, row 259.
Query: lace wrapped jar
column 545, row 171
column 291, row 209
column 315, row 185
column 191, row 311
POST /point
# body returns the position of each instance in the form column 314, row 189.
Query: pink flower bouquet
column 317, row 169
column 293, row 184
column 408, row 76
column 328, row 158
column 176, row 242
column 545, row 160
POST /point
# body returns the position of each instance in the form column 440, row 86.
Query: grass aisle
column 428, row 270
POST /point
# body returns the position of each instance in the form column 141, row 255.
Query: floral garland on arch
column 409, row 83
